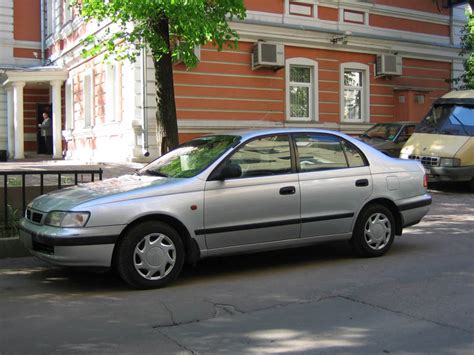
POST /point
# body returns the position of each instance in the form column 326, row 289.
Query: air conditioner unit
column 388, row 64
column 267, row 54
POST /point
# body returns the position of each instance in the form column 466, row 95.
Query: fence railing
column 44, row 179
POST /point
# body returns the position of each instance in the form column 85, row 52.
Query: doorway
column 41, row 144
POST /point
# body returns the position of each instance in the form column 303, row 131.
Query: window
column 88, row 98
column 67, row 11
column 354, row 156
column 263, row 157
column 301, row 79
column 355, row 92
column 320, row 152
column 113, row 91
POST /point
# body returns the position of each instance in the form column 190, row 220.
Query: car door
column 262, row 204
column 335, row 181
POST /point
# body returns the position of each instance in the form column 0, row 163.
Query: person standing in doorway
column 47, row 133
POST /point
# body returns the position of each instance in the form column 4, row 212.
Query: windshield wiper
column 154, row 173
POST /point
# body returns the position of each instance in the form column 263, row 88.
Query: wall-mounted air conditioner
column 388, row 64
column 267, row 54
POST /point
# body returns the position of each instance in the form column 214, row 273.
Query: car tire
column 150, row 255
column 374, row 231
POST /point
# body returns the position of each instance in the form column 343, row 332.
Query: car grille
column 36, row 217
column 426, row 160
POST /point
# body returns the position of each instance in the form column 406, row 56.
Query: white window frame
column 88, row 97
column 313, row 91
column 113, row 92
column 69, row 98
column 67, row 12
column 365, row 100
column 312, row 3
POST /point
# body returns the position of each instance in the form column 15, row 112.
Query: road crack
column 444, row 325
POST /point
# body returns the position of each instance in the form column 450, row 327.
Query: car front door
column 262, row 204
column 335, row 181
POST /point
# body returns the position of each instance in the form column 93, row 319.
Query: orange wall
column 223, row 86
column 418, row 5
column 328, row 13
column 274, row 6
column 409, row 25
column 26, row 20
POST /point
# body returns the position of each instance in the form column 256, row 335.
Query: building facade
column 335, row 64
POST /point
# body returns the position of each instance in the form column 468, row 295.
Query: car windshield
column 386, row 131
column 191, row 158
column 448, row 119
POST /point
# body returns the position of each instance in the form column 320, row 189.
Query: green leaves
column 466, row 80
column 134, row 23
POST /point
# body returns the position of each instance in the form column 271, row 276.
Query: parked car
column 444, row 140
column 230, row 193
column 389, row 138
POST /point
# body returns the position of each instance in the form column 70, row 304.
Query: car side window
column 406, row 133
column 319, row 152
column 353, row 155
column 264, row 156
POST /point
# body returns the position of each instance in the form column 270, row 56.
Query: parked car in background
column 389, row 138
column 444, row 140
column 230, row 193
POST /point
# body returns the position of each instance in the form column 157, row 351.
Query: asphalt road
column 418, row 299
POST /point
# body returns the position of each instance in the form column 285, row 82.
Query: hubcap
column 377, row 231
column 154, row 256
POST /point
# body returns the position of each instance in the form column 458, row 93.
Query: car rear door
column 335, row 181
column 262, row 205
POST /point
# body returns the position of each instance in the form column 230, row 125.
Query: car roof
column 248, row 134
column 460, row 97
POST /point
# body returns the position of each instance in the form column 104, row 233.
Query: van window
column 448, row 119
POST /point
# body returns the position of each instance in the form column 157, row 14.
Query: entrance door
column 40, row 108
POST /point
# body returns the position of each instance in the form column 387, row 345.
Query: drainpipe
column 144, row 78
column 42, row 17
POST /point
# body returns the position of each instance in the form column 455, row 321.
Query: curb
column 12, row 248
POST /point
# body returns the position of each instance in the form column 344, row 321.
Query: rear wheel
column 150, row 255
column 374, row 231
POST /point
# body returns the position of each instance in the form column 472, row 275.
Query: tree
column 466, row 80
column 170, row 29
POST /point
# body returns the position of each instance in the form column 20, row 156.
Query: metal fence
column 44, row 179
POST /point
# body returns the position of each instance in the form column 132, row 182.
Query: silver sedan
column 230, row 193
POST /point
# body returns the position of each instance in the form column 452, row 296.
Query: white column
column 18, row 119
column 57, row 119
column 10, row 124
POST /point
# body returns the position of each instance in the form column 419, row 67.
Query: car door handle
column 362, row 182
column 287, row 190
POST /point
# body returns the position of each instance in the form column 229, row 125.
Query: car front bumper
column 70, row 246
column 439, row 173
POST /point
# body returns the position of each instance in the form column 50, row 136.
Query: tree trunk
column 166, row 119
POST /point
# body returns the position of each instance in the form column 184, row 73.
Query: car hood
column 123, row 187
column 434, row 145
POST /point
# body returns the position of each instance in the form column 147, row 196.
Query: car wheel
column 374, row 231
column 150, row 255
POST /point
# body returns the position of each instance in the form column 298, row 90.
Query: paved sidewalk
column 37, row 163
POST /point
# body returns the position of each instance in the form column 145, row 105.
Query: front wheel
column 150, row 255
column 374, row 231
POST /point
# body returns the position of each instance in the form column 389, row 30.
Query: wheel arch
column 191, row 248
column 392, row 207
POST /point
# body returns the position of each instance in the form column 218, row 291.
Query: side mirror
column 231, row 171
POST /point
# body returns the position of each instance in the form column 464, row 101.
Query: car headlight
column 67, row 219
column 404, row 155
column 450, row 162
